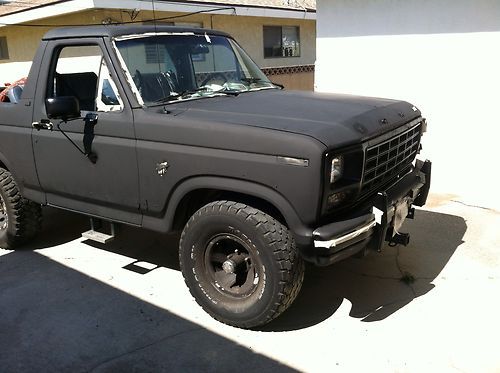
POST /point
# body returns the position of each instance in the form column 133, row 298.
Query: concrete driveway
column 71, row 305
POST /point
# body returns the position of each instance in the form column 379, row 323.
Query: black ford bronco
column 176, row 129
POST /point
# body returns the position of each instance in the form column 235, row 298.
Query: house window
column 4, row 50
column 281, row 41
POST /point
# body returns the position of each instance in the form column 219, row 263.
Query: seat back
column 83, row 86
column 154, row 86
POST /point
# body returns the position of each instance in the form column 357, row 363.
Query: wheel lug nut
column 229, row 266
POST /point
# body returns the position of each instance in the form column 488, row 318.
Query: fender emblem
column 162, row 168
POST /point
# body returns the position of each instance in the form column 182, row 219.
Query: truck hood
column 333, row 119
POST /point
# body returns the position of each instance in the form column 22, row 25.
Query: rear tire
column 20, row 219
column 240, row 264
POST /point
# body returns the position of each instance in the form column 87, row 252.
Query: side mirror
column 64, row 107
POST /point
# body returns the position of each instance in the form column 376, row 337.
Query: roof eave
column 72, row 6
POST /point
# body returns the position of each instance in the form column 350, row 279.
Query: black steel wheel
column 240, row 264
column 20, row 219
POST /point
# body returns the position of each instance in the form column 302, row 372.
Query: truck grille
column 387, row 159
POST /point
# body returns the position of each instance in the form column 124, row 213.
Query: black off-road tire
column 21, row 219
column 274, row 269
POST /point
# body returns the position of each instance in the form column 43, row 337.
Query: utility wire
column 122, row 23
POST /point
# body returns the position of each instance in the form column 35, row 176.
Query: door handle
column 44, row 124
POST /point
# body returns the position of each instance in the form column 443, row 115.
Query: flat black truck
column 176, row 129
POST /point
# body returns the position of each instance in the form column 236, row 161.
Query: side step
column 95, row 235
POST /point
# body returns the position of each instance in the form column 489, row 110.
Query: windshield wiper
column 228, row 92
column 167, row 98
column 188, row 92
column 251, row 80
column 183, row 94
column 258, row 80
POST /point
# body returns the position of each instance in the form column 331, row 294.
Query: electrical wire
column 122, row 23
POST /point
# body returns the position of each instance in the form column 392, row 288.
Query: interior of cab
column 154, row 86
column 83, row 86
column 81, row 72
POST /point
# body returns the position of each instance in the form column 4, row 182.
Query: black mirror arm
column 90, row 155
column 69, row 139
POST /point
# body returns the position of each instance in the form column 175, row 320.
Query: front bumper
column 388, row 209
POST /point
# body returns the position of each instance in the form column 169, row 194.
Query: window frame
column 281, row 27
column 104, row 61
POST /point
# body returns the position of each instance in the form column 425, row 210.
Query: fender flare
column 3, row 160
column 31, row 194
column 229, row 185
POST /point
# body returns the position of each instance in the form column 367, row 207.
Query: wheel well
column 196, row 199
column 2, row 165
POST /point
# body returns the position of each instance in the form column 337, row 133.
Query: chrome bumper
column 380, row 222
column 334, row 242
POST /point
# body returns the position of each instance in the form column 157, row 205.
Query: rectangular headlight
column 337, row 168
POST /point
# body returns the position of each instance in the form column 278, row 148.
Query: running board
column 94, row 235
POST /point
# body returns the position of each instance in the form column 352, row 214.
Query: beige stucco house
column 280, row 35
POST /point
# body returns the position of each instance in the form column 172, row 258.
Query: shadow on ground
column 55, row 319
column 373, row 285
column 58, row 227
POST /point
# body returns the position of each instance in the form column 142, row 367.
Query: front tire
column 20, row 219
column 240, row 264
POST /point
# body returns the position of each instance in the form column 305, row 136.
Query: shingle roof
column 14, row 6
column 287, row 4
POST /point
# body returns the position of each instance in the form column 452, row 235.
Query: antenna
column 156, row 32
column 154, row 14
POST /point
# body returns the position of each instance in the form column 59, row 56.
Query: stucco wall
column 248, row 31
column 441, row 55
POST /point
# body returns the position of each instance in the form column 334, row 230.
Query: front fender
column 263, row 192
column 5, row 162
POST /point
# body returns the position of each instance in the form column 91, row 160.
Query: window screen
column 281, row 41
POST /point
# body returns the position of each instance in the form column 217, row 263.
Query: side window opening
column 81, row 71
column 108, row 98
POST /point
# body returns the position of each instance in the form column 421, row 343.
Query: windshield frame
column 239, row 55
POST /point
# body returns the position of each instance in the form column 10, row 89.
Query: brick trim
column 285, row 70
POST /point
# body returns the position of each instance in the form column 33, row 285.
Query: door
column 83, row 165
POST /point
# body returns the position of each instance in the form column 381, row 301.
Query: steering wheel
column 214, row 77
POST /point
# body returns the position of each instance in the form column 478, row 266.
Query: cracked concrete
column 141, row 348
column 69, row 305
column 475, row 206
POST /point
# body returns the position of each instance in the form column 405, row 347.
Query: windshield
column 174, row 67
